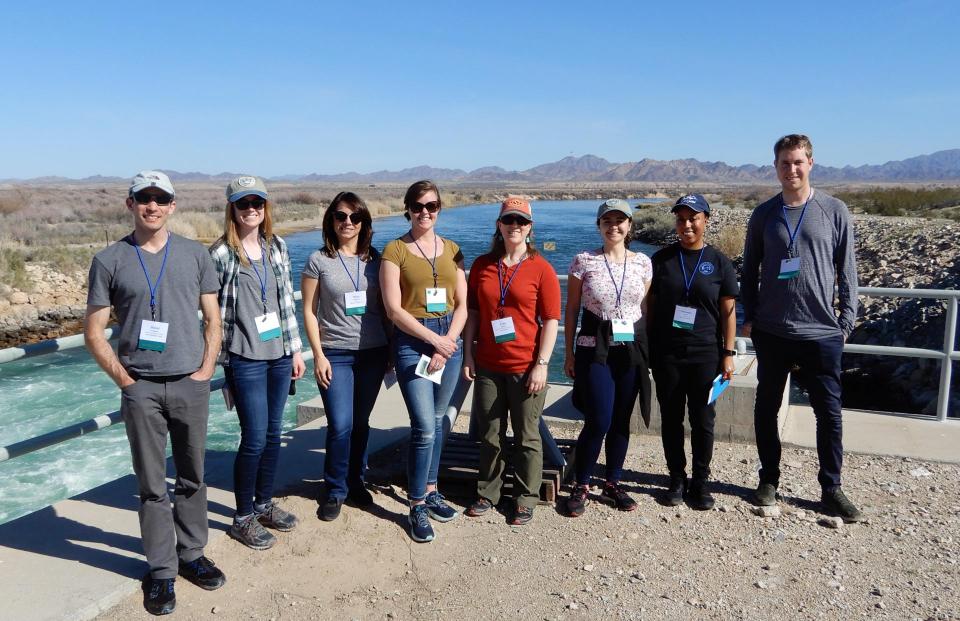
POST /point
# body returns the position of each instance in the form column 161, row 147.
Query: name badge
column 503, row 330
column 268, row 326
column 684, row 317
column 153, row 335
column 622, row 330
column 789, row 268
column 421, row 370
column 436, row 300
column 356, row 302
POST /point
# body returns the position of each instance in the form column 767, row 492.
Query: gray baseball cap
column 614, row 204
column 151, row 179
column 245, row 185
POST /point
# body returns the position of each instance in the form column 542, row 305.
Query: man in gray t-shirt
column 800, row 247
column 156, row 281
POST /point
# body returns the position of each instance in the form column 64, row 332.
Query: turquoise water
column 45, row 393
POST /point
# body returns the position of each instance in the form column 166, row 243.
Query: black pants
column 686, row 380
column 819, row 363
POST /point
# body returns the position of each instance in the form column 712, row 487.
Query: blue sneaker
column 438, row 508
column 420, row 529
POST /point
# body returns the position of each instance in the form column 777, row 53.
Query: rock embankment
column 53, row 308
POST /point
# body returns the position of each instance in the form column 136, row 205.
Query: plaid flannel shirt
column 228, row 269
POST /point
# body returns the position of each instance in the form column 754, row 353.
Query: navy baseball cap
column 695, row 202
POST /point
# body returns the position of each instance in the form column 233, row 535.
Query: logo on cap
column 689, row 200
column 246, row 182
column 706, row 268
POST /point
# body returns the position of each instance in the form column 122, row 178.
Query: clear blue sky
column 299, row 87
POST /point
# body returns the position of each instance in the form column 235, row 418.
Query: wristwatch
column 728, row 352
column 542, row 361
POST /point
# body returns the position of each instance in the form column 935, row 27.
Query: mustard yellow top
column 416, row 275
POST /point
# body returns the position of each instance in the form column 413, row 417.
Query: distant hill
column 939, row 166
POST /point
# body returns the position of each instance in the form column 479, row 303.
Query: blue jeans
column 348, row 402
column 426, row 403
column 259, row 390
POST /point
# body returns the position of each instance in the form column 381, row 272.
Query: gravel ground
column 655, row 563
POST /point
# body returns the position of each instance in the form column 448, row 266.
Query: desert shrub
column 901, row 201
column 13, row 269
column 12, row 202
column 653, row 223
column 303, row 198
column 729, row 240
column 196, row 225
column 64, row 259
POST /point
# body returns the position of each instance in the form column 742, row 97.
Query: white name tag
column 356, row 302
column 153, row 335
column 789, row 268
column 684, row 317
column 436, row 300
column 268, row 326
column 622, row 330
column 421, row 370
column 503, row 330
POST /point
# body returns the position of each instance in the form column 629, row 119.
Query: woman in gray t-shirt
column 345, row 324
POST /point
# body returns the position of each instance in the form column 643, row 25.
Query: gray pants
column 151, row 408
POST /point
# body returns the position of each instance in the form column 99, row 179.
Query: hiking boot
column 330, row 509
column 203, row 573
column 522, row 516
column 360, row 497
column 765, row 495
column 615, row 495
column 675, row 491
column 438, row 508
column 272, row 516
column 158, row 596
column 479, row 507
column 837, row 503
column 419, row 519
column 698, row 497
column 578, row 500
column 251, row 533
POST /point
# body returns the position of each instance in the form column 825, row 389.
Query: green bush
column 13, row 269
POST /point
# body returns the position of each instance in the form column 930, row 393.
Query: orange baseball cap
column 517, row 206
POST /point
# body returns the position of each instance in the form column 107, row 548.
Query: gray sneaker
column 272, row 516
column 251, row 533
column 837, row 503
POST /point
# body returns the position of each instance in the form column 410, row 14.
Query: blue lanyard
column 356, row 284
column 786, row 222
column 153, row 286
column 505, row 288
column 688, row 283
column 433, row 264
column 614, row 281
column 263, row 280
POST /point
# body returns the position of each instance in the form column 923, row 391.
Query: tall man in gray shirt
column 156, row 281
column 799, row 247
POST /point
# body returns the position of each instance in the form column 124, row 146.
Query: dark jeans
column 348, row 401
column 819, row 363
column 686, row 381
column 260, row 390
column 612, row 390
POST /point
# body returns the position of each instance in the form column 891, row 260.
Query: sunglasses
column 255, row 203
column 512, row 219
column 144, row 198
column 431, row 207
column 341, row 216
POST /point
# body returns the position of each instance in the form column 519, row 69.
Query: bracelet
column 728, row 352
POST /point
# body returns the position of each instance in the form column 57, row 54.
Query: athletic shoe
column 479, row 507
column 203, row 573
column 675, row 491
column 420, row 529
column 698, row 497
column 438, row 508
column 522, row 515
column 578, row 500
column 615, row 495
column 765, row 495
column 158, row 596
column 251, row 533
column 272, row 516
column 837, row 503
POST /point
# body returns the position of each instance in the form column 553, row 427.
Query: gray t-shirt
column 339, row 330
column 246, row 338
column 117, row 279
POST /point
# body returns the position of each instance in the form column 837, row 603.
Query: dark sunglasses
column 511, row 219
column 256, row 203
column 143, row 198
column 341, row 216
column 431, row 207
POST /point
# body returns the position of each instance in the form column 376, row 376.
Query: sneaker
column 330, row 509
column 158, row 595
column 578, row 500
column 360, row 497
column 420, row 529
column 251, row 533
column 478, row 508
column 765, row 495
column 675, row 491
column 203, row 573
column 698, row 497
column 272, row 516
column 614, row 494
column 522, row 515
column 837, row 503
column 438, row 508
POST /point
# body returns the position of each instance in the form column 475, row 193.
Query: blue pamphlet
column 719, row 385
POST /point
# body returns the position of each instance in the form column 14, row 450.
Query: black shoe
column 158, row 595
column 675, row 491
column 765, row 495
column 479, row 507
column 578, row 500
column 698, row 497
column 360, row 497
column 203, row 573
column 330, row 509
column 837, row 503
column 615, row 495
